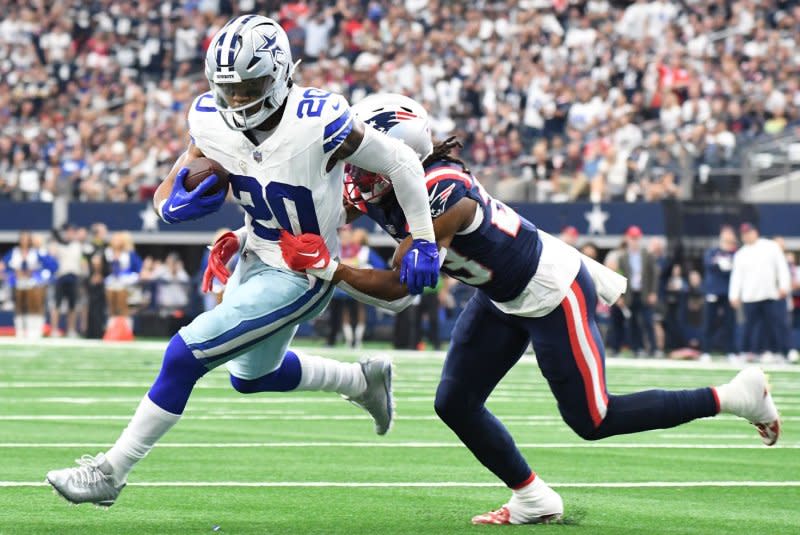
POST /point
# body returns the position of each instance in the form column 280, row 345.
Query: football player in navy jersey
column 531, row 288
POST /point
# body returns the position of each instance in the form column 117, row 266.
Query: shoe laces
column 89, row 471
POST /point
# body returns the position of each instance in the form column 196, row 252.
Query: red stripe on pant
column 595, row 353
column 580, row 360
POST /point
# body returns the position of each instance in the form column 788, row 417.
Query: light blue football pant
column 257, row 319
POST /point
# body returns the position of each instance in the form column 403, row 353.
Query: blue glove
column 420, row 266
column 182, row 205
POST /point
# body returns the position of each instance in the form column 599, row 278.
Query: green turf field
column 310, row 463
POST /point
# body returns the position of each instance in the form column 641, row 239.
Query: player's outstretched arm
column 370, row 150
column 308, row 253
column 174, row 204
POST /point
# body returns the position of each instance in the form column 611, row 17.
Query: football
column 200, row 169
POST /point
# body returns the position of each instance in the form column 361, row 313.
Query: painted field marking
column 429, row 356
column 430, row 484
column 431, row 445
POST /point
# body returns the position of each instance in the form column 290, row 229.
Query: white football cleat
column 90, row 482
column 377, row 399
column 544, row 506
column 747, row 396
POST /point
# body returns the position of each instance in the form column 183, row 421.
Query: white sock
column 347, row 330
column 526, row 493
column 328, row 375
column 359, row 334
column 148, row 425
column 731, row 400
column 19, row 326
column 534, row 500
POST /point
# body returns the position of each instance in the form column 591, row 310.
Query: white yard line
column 431, row 445
column 432, row 484
column 430, row 356
column 302, row 416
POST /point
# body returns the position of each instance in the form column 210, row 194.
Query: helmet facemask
column 364, row 186
column 244, row 104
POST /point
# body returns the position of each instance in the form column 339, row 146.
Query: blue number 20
column 276, row 200
column 312, row 103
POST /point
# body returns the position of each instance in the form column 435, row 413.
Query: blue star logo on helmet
column 386, row 120
column 270, row 45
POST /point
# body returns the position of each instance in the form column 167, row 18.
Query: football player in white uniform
column 288, row 145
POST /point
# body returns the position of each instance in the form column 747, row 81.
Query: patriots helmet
column 249, row 68
column 399, row 117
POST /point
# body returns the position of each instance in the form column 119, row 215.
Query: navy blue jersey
column 498, row 253
column 718, row 264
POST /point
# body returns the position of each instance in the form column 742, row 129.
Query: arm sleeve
column 398, row 305
column 397, row 161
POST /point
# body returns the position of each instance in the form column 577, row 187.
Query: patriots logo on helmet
column 386, row 120
column 270, row 46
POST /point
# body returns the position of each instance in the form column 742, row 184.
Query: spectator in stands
column 88, row 84
column 347, row 314
column 68, row 251
column 430, row 305
column 96, row 306
column 658, row 251
column 124, row 266
column 719, row 318
column 173, row 284
column 30, row 269
column 619, row 313
column 759, row 279
column 794, row 323
column 675, row 308
column 785, row 307
column 641, row 270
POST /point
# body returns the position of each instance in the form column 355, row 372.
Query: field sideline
column 309, row 462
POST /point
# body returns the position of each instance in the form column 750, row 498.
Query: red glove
column 221, row 253
column 307, row 252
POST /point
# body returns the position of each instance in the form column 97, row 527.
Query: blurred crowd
column 742, row 299
column 555, row 99
column 77, row 282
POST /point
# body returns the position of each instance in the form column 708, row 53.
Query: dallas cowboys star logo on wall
column 597, row 220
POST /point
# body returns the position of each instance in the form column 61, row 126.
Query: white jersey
column 282, row 183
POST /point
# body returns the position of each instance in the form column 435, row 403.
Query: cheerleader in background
column 124, row 266
column 29, row 268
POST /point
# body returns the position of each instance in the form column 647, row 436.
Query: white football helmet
column 249, row 68
column 396, row 116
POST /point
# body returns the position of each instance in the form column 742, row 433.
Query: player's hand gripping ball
column 199, row 189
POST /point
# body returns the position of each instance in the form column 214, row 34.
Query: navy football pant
column 718, row 315
column 764, row 326
column 486, row 343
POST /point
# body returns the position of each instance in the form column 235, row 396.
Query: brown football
column 201, row 168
